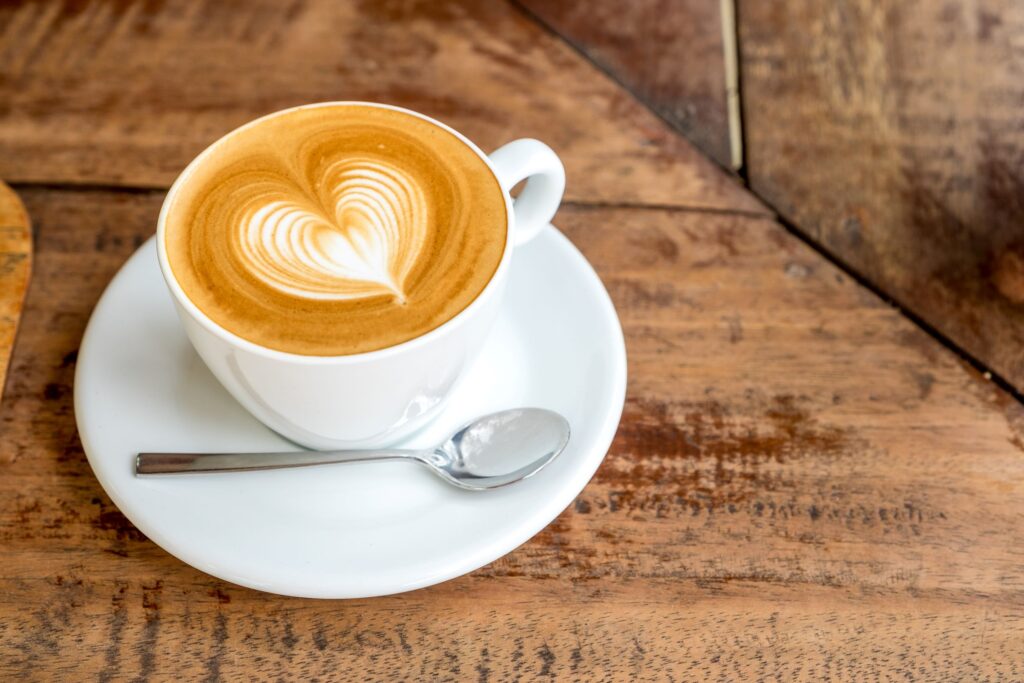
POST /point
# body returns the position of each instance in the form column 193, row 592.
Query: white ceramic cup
column 372, row 399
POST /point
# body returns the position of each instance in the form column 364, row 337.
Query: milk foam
column 336, row 230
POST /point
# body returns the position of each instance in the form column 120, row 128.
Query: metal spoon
column 491, row 451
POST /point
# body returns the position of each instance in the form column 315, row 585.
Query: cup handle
column 538, row 164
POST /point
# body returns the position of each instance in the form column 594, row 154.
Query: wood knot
column 1008, row 273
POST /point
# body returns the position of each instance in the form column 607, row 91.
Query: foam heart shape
column 360, row 240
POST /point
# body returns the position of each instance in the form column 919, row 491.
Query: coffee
column 336, row 230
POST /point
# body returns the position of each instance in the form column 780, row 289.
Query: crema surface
column 336, row 230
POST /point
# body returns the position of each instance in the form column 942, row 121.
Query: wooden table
column 804, row 484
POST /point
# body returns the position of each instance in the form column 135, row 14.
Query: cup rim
column 252, row 347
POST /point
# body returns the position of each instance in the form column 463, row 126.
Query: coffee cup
column 294, row 372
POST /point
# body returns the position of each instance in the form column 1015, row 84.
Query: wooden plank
column 804, row 485
column 892, row 133
column 475, row 630
column 15, row 269
column 127, row 93
column 669, row 53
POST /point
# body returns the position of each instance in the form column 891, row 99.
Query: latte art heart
column 364, row 247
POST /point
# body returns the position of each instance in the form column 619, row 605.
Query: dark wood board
column 892, row 133
column 669, row 53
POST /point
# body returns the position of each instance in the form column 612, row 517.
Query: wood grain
column 669, row 53
column 804, row 485
column 15, row 268
column 891, row 132
column 127, row 93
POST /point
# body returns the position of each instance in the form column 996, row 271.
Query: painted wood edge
column 15, row 271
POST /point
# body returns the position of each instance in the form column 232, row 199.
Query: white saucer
column 351, row 530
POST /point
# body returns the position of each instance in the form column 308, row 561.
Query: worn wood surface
column 891, row 131
column 127, row 93
column 15, row 268
column 668, row 52
column 804, row 485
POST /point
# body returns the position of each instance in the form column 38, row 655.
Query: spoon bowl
column 492, row 451
column 501, row 448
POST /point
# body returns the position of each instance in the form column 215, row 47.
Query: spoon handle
column 191, row 463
